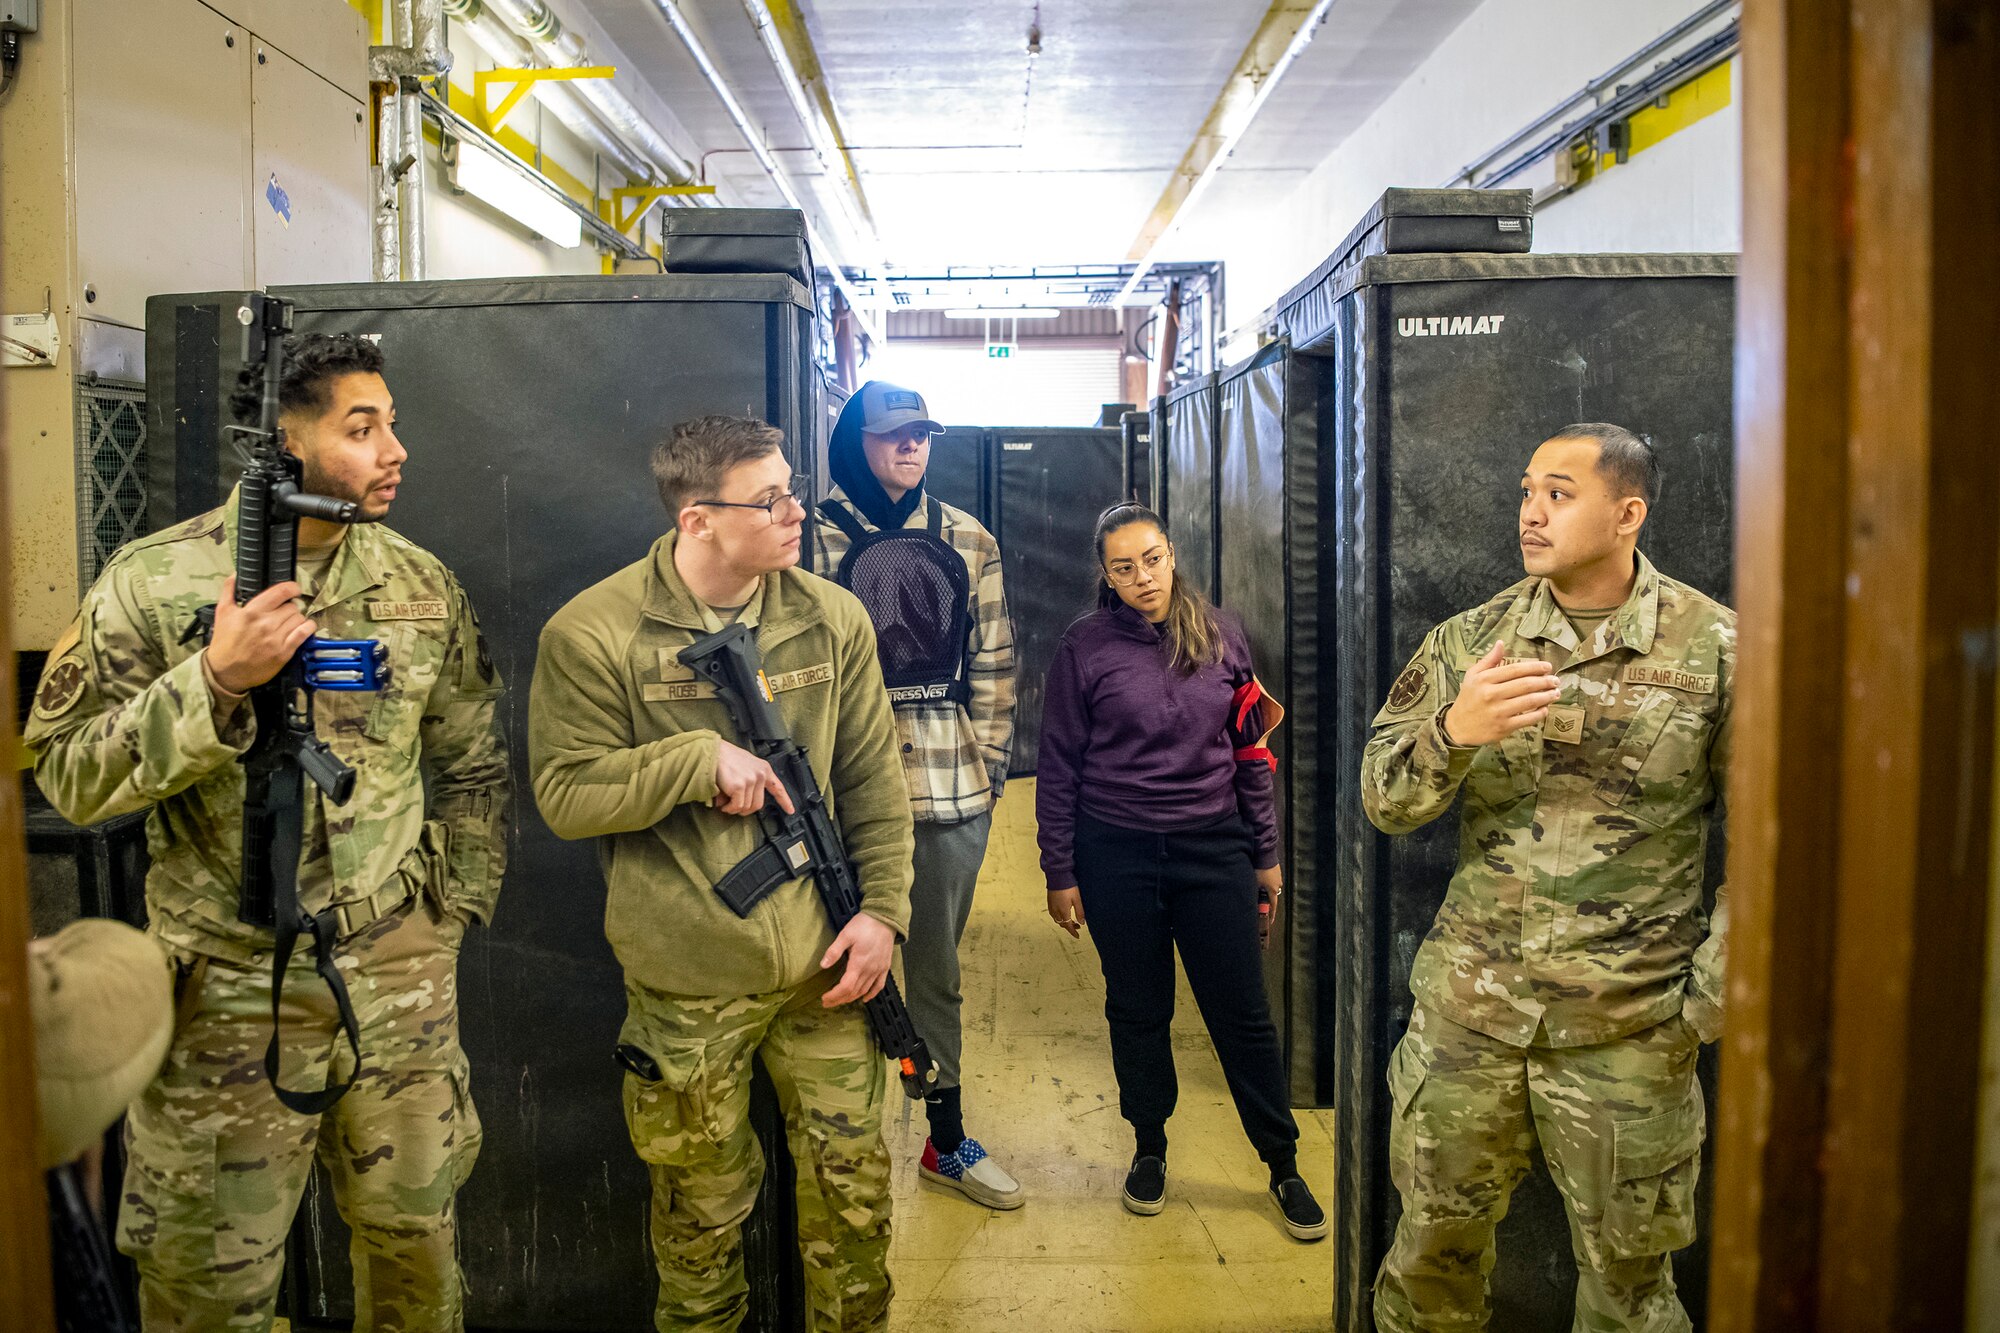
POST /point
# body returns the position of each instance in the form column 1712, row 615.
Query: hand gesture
column 742, row 779
column 867, row 945
column 1496, row 701
column 1270, row 888
column 1066, row 910
column 252, row 642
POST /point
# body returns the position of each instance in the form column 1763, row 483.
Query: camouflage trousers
column 692, row 1129
column 217, row 1165
column 1620, row 1125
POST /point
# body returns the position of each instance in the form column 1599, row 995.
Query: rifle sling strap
column 292, row 921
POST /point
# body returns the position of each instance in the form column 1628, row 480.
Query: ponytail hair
column 1193, row 638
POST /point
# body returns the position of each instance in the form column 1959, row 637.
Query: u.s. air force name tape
column 431, row 610
column 686, row 687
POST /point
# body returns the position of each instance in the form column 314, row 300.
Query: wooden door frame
column 26, row 1298
column 1868, row 448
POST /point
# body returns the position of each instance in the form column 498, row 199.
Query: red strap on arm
column 1258, row 752
column 1247, row 695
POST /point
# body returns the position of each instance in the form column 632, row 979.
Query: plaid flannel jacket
column 954, row 757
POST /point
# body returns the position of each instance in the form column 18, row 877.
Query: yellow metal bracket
column 641, row 197
column 519, row 82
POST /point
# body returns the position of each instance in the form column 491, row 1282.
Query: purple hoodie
column 1129, row 740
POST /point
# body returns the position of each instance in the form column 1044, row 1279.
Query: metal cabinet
column 309, row 180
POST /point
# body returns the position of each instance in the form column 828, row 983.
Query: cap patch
column 898, row 399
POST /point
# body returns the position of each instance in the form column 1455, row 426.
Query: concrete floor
column 1040, row 1095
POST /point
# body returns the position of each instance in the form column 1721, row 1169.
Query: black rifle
column 803, row 843
column 287, row 750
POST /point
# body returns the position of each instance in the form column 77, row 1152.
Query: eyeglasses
column 1124, row 573
column 801, row 487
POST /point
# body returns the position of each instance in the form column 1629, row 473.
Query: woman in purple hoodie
column 1153, row 796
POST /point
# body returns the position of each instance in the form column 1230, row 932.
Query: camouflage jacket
column 123, row 720
column 1576, row 908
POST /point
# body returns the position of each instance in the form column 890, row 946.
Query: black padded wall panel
column 1269, row 423
column 1137, row 483
column 962, row 471
column 1190, row 482
column 1432, row 425
column 1250, row 556
column 529, row 409
column 1052, row 484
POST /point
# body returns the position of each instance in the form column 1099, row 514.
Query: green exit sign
column 1000, row 351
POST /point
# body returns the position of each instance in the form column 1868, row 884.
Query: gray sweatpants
column 947, row 869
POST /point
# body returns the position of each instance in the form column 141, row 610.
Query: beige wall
column 39, row 255
column 135, row 153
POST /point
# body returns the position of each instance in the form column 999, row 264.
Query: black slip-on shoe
column 1304, row 1218
column 1146, row 1186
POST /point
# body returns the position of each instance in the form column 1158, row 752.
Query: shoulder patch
column 62, row 686
column 1409, row 688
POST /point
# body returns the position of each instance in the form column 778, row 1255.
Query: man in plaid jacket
column 954, row 749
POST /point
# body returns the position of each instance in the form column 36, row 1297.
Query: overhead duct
column 509, row 49
column 817, row 118
column 676, row 20
column 558, row 47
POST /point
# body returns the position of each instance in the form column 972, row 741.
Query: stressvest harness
column 917, row 592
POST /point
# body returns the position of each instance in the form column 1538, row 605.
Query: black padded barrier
column 1190, row 481
column 529, row 408
column 1268, row 422
column 962, row 472
column 1406, row 221
column 1137, row 481
column 1438, row 377
column 1051, row 483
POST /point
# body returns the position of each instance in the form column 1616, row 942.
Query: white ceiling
column 971, row 152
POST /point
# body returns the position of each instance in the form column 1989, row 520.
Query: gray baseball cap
column 887, row 408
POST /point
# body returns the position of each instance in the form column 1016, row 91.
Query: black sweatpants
column 1143, row 894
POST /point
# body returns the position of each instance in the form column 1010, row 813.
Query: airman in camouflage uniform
column 1571, row 974
column 127, row 717
column 628, row 747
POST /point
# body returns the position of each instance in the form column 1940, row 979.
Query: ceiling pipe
column 670, row 12
column 1214, row 142
column 824, row 136
column 536, row 24
column 508, row 49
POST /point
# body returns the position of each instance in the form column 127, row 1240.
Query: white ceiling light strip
column 1227, row 122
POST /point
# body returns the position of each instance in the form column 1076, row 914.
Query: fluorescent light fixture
column 508, row 189
column 998, row 312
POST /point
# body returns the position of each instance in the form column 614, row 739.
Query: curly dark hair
column 313, row 361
